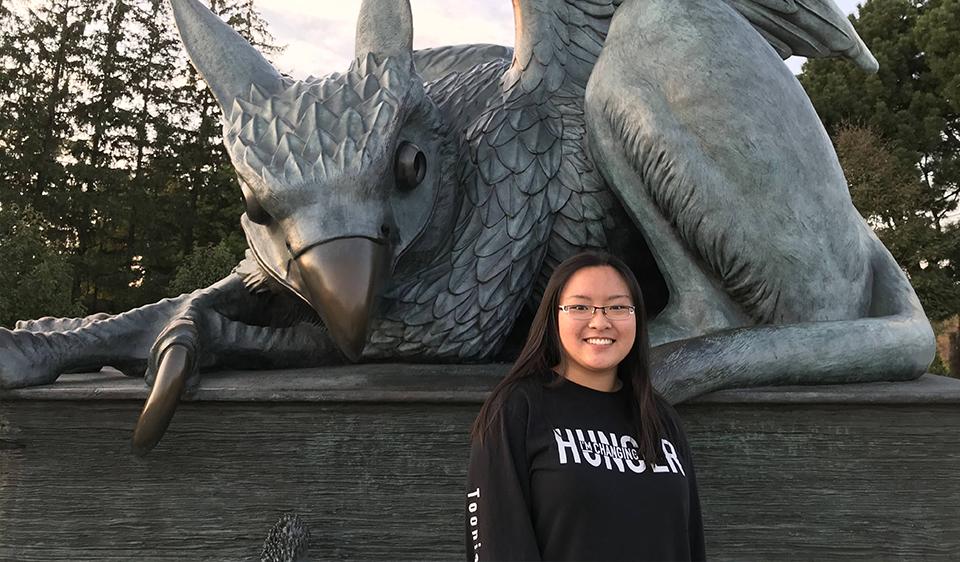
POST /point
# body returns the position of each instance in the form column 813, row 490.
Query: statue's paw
column 26, row 359
column 202, row 331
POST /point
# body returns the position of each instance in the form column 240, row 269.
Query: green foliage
column 947, row 362
column 204, row 266
column 886, row 191
column 35, row 278
column 938, row 368
column 109, row 135
column 898, row 137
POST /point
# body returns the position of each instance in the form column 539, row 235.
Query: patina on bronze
column 341, row 278
column 162, row 402
column 411, row 207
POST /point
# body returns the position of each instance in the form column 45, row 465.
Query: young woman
column 574, row 456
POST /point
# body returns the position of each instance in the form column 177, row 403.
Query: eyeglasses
column 586, row 311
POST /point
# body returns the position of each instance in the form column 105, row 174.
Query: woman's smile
column 600, row 341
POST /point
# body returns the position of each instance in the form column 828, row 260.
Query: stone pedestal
column 373, row 458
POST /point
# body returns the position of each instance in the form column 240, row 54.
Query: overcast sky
column 319, row 34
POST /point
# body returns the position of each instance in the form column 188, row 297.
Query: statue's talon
column 173, row 364
column 162, row 403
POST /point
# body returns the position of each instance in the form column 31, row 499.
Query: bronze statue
column 412, row 207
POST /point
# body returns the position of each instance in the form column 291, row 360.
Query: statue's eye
column 254, row 211
column 410, row 166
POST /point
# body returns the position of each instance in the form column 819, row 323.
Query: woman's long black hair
column 542, row 352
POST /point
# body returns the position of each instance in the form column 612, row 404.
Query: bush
column 35, row 279
column 204, row 266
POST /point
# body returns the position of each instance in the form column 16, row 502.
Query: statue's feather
column 530, row 198
column 437, row 62
column 255, row 278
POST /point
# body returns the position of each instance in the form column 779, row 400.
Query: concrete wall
column 374, row 459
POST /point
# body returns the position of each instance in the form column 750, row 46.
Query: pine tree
column 49, row 47
column 98, row 172
column 111, row 138
column 156, row 143
column 10, row 62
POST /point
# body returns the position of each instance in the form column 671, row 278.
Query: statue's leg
column 51, row 324
column 133, row 368
column 224, row 325
column 697, row 304
column 213, row 331
column 39, row 351
column 209, row 321
column 732, row 180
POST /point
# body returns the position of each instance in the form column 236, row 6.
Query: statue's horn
column 227, row 62
column 385, row 28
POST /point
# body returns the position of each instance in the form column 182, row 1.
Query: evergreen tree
column 38, row 101
column 10, row 61
column 98, row 172
column 108, row 134
column 155, row 142
column 242, row 15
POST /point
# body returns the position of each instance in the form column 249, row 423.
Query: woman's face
column 593, row 347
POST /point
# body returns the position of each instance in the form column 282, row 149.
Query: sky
column 319, row 34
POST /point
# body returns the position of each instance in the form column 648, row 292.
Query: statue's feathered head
column 339, row 174
column 318, row 129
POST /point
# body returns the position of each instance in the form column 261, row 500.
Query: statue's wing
column 806, row 28
column 436, row 62
column 557, row 44
column 529, row 195
column 560, row 40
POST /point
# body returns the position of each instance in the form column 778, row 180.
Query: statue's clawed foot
column 225, row 326
column 171, row 342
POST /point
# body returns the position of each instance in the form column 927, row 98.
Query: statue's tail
column 895, row 342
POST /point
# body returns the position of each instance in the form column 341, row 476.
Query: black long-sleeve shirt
column 560, row 478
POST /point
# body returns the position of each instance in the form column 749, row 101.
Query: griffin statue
column 412, row 207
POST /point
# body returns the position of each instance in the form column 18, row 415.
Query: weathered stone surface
column 384, row 382
column 790, row 473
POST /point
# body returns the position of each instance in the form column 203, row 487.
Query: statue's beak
column 341, row 279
